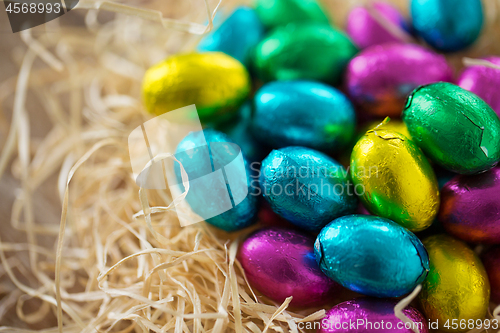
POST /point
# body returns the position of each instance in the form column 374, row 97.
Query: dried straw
column 117, row 261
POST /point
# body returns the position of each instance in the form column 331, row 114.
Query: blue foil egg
column 303, row 113
column 236, row 36
column 371, row 255
column 306, row 187
column 447, row 25
column 220, row 180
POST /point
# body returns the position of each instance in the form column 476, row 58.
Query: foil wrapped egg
column 376, row 23
column 274, row 13
column 470, row 207
column 280, row 263
column 454, row 127
column 282, row 116
column 491, row 261
column 456, row 287
column 215, row 82
column 483, row 81
column 306, row 187
column 394, row 179
column 286, row 53
column 371, row 255
column 380, row 77
column 236, row 36
column 395, row 125
column 221, row 188
column 369, row 315
column 447, row 25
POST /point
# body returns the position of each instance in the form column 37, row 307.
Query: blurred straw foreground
column 74, row 230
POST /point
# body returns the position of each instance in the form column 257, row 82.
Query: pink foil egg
column 280, row 263
column 491, row 261
column 370, row 315
column 380, row 77
column 376, row 23
column 483, row 81
column 470, row 207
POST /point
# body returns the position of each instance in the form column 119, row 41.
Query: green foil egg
column 456, row 291
column 454, row 127
column 394, row 179
column 275, row 13
column 303, row 51
column 215, row 82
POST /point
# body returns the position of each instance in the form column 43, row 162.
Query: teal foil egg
column 371, row 255
column 311, row 51
column 306, row 187
column 303, row 113
column 447, row 25
column 220, row 180
column 236, row 36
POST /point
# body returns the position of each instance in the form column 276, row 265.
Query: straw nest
column 83, row 251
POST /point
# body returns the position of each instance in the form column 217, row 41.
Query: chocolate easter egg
column 380, row 77
column 303, row 113
column 280, row 263
column 457, row 287
column 454, row 127
column 371, row 255
column 274, row 13
column 216, row 83
column 447, row 25
column 396, row 179
column 303, row 51
column 470, row 207
column 306, row 187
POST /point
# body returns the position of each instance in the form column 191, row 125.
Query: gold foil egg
column 394, row 179
column 456, row 291
column 393, row 125
column 215, row 82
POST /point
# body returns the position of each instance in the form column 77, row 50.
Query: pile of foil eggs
column 348, row 199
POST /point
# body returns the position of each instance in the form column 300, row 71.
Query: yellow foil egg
column 215, row 82
column 456, row 291
column 394, row 179
column 394, row 125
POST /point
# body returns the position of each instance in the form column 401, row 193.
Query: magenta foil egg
column 280, row 263
column 380, row 77
column 376, row 23
column 370, row 315
column 470, row 207
column 483, row 81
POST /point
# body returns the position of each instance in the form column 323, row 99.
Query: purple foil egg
column 380, row 77
column 491, row 261
column 483, row 81
column 280, row 263
column 470, row 207
column 369, row 315
column 376, row 23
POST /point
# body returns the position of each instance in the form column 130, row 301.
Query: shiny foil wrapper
column 280, row 263
column 380, row 77
column 371, row 255
column 491, row 261
column 453, row 127
column 306, row 187
column 483, row 81
column 236, row 36
column 275, row 13
column 396, row 179
column 229, row 205
column 457, row 286
column 447, row 25
column 282, row 116
column 215, row 82
column 470, row 207
column 304, row 51
column 373, row 315
column 364, row 27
